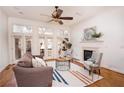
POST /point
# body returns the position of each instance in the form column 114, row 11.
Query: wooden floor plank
column 111, row 79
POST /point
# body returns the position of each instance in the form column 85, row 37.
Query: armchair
column 93, row 62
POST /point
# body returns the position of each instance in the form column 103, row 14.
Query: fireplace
column 87, row 54
column 88, row 51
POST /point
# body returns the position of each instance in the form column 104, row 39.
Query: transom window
column 45, row 31
column 22, row 29
column 58, row 32
column 66, row 33
column 49, row 42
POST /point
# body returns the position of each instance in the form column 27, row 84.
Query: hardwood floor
column 111, row 79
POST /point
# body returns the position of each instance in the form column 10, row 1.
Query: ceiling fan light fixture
column 56, row 15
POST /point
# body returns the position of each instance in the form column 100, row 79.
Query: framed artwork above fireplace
column 88, row 32
column 89, row 35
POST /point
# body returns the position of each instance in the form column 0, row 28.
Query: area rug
column 73, row 78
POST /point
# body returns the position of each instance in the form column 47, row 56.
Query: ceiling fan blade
column 44, row 15
column 50, row 20
column 60, row 22
column 66, row 18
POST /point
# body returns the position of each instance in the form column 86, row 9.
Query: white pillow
column 35, row 63
column 40, row 61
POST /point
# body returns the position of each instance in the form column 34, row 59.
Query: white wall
column 111, row 24
column 4, row 58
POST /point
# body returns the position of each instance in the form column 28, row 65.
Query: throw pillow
column 25, row 61
column 35, row 63
column 41, row 61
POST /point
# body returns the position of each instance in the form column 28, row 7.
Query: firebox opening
column 87, row 54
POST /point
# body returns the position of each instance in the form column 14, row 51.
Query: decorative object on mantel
column 88, row 33
column 91, row 34
column 97, row 35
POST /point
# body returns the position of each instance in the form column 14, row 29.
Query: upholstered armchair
column 94, row 61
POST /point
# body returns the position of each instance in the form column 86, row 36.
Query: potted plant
column 97, row 35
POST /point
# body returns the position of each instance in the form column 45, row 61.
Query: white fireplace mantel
column 91, row 45
column 92, row 41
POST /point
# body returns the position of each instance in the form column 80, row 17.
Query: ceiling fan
column 56, row 16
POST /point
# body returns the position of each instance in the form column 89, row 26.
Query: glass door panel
column 59, row 42
column 28, row 44
column 42, row 47
column 49, row 48
column 17, row 49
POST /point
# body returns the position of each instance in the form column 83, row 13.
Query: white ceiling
column 43, row 13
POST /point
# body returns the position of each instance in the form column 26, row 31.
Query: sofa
column 27, row 76
column 33, row 77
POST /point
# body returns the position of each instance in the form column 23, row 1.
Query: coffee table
column 63, row 64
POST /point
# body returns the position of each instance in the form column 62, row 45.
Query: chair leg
column 89, row 72
column 99, row 72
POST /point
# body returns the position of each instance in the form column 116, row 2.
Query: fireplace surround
column 87, row 52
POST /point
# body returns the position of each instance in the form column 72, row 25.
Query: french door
column 21, row 44
column 49, row 47
column 46, row 47
column 17, row 47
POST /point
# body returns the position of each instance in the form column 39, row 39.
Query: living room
column 24, row 27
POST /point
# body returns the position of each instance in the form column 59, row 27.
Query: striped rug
column 58, row 77
column 73, row 79
column 84, row 79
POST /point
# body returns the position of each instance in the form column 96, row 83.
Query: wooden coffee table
column 63, row 63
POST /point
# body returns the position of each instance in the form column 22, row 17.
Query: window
column 45, row 31
column 42, row 43
column 49, row 42
column 66, row 33
column 63, row 33
column 22, row 29
column 59, row 33
column 41, row 30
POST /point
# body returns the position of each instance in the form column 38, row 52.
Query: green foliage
column 97, row 35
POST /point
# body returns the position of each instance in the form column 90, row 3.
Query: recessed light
column 16, row 8
column 21, row 13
